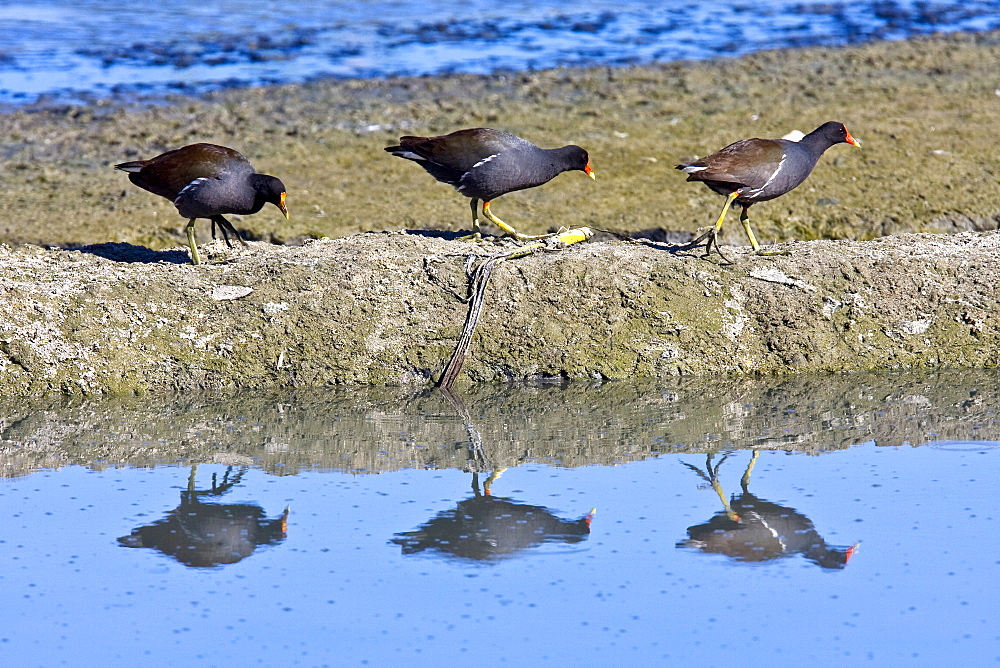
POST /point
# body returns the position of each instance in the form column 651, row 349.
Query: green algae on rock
column 388, row 309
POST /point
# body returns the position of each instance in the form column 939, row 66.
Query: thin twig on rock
column 479, row 277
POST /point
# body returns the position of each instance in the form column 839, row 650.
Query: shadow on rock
column 122, row 252
column 447, row 235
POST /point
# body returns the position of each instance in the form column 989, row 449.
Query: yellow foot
column 514, row 234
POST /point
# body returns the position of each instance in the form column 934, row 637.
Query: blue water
column 337, row 590
column 367, row 527
column 73, row 50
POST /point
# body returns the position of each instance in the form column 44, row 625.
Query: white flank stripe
column 193, row 184
column 777, row 169
column 484, row 161
column 774, row 532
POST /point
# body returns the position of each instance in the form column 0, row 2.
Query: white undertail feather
column 409, row 155
column 691, row 169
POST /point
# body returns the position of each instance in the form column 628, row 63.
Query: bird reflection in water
column 200, row 534
column 487, row 528
column 754, row 530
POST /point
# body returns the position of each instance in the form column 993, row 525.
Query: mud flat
column 387, row 308
column 927, row 111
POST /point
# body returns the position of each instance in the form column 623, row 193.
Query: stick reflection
column 487, row 528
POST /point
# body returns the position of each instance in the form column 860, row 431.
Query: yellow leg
column 745, row 220
column 492, row 479
column 725, row 209
column 511, row 232
column 717, row 488
column 476, row 232
column 745, row 482
column 192, row 243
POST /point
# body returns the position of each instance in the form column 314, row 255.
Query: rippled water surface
column 780, row 522
column 57, row 50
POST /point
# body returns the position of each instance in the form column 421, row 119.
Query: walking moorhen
column 206, row 181
column 756, row 170
column 484, row 164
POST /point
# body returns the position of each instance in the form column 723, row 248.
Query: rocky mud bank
column 388, row 308
column 123, row 314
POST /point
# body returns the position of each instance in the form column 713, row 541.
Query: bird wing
column 191, row 200
column 168, row 174
column 462, row 150
column 748, row 162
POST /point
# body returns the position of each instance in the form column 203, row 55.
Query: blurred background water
column 54, row 51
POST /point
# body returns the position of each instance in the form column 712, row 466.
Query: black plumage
column 756, row 170
column 207, row 181
column 484, row 164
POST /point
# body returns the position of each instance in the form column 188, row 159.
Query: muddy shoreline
column 926, row 109
column 388, row 308
column 126, row 315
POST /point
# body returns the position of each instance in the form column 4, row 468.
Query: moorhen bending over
column 206, row 181
column 756, row 170
column 484, row 164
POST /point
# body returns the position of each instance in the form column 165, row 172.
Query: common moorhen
column 752, row 529
column 206, row 181
column 484, row 164
column 759, row 530
column 201, row 534
column 489, row 528
column 755, row 170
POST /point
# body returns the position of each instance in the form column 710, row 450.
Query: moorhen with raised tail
column 756, row 170
column 484, row 164
column 207, row 181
